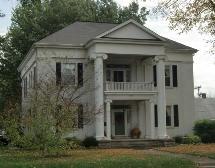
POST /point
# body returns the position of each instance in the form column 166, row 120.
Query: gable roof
column 79, row 33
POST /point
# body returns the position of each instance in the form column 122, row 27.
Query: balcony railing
column 129, row 86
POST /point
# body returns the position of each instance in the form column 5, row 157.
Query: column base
column 99, row 138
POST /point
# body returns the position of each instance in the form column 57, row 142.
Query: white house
column 141, row 79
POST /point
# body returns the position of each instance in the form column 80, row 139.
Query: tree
column 52, row 112
column 32, row 20
column 185, row 15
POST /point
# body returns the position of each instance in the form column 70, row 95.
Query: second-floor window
column 69, row 73
column 171, row 76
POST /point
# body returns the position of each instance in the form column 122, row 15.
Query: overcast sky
column 204, row 62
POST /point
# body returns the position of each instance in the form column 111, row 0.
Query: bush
column 188, row 139
column 90, row 142
column 191, row 139
column 205, row 129
column 178, row 139
column 73, row 142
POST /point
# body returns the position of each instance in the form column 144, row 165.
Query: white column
column 152, row 119
column 141, row 117
column 161, row 98
column 99, row 96
column 108, row 119
column 150, row 126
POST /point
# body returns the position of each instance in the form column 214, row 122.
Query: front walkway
column 202, row 162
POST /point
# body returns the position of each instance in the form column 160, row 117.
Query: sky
column 204, row 61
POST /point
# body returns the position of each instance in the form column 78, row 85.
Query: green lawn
column 119, row 158
column 204, row 150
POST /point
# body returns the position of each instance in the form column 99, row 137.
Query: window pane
column 167, row 75
column 168, row 115
column 68, row 74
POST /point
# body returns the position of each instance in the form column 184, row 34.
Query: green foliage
column 188, row 139
column 33, row 20
column 206, row 130
column 185, row 15
column 90, row 142
column 73, row 142
column 191, row 139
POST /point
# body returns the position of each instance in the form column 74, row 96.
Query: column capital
column 108, row 101
column 98, row 55
column 159, row 58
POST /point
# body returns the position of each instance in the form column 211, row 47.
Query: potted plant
column 135, row 133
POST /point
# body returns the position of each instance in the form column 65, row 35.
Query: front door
column 119, row 121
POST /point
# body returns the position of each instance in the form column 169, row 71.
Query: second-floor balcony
column 129, row 86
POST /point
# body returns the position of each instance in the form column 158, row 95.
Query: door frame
column 113, row 111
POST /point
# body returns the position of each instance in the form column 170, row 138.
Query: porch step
column 135, row 143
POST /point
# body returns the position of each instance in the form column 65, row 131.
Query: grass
column 206, row 150
column 95, row 158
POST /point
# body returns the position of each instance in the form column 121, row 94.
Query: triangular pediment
column 131, row 30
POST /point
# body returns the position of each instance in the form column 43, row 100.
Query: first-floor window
column 168, row 116
column 25, row 87
column 172, row 116
column 80, row 116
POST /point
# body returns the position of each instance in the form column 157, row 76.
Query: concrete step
column 135, row 143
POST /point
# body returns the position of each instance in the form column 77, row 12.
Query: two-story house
column 141, row 79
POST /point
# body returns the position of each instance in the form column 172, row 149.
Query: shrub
column 191, row 139
column 73, row 142
column 205, row 129
column 90, row 142
column 188, row 139
column 178, row 139
column 135, row 133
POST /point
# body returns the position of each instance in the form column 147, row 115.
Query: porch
column 121, row 117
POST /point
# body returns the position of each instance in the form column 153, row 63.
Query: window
column 25, row 87
column 171, row 75
column 80, row 74
column 167, row 75
column 118, row 73
column 155, row 75
column 80, row 117
column 35, row 77
column 172, row 116
column 174, row 75
column 67, row 74
column 176, row 116
column 168, row 116
column 156, row 115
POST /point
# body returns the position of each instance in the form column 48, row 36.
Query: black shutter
column 176, row 116
column 58, row 73
column 156, row 115
column 155, row 75
column 80, row 116
column 174, row 75
column 80, row 74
